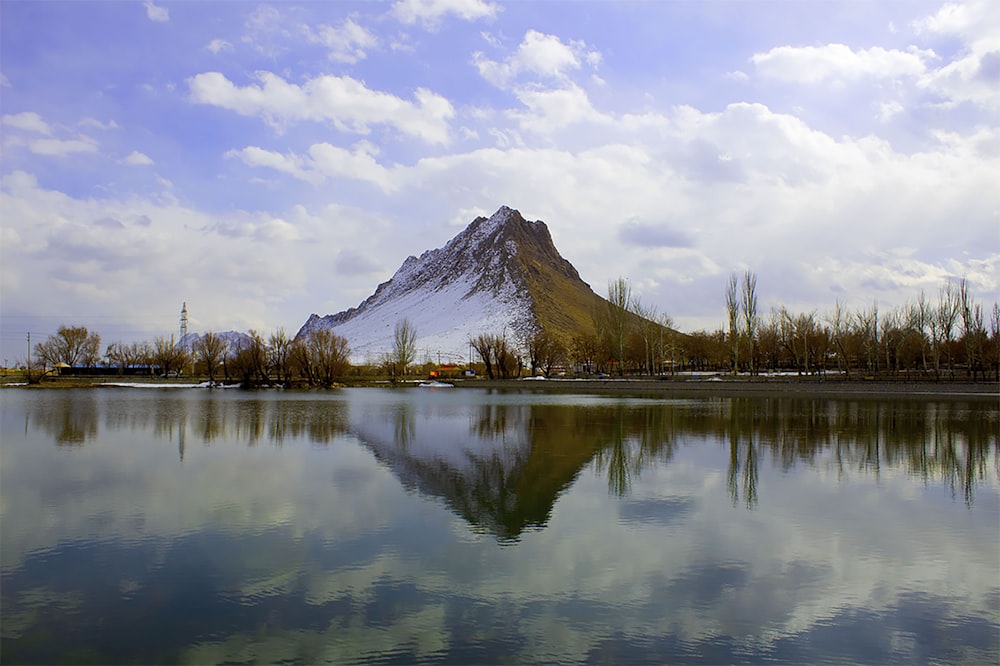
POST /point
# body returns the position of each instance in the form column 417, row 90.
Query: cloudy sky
column 263, row 162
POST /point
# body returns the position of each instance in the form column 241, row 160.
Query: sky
column 265, row 161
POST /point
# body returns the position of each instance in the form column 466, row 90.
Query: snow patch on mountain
column 449, row 295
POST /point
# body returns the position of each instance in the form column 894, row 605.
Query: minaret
column 184, row 320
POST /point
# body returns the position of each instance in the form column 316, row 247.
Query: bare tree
column 72, row 345
column 616, row 318
column 839, row 324
column 404, row 345
column 668, row 340
column 329, row 356
column 584, row 351
column 117, row 355
column 483, row 345
column 973, row 329
column 168, row 356
column 751, row 320
column 733, row 313
column 947, row 317
column 544, row 351
column 209, row 350
column 995, row 340
column 649, row 330
column 278, row 355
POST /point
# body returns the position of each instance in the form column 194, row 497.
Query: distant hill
column 233, row 339
column 500, row 274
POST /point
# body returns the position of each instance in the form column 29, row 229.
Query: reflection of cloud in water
column 656, row 511
column 264, row 546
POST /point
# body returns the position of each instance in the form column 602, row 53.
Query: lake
column 477, row 526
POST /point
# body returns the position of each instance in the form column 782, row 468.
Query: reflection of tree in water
column 71, row 420
column 629, row 439
column 946, row 440
column 742, row 456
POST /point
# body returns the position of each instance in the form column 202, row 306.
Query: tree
column 167, row 355
column 947, row 317
column 329, row 355
column 72, row 345
column 649, row 332
column 544, row 351
column 751, row 321
column 616, row 320
column 584, row 351
column 278, row 355
column 209, row 350
column 839, row 330
column 116, row 355
column 404, row 345
column 733, row 313
column 483, row 345
column 668, row 340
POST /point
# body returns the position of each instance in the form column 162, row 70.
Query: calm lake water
column 468, row 526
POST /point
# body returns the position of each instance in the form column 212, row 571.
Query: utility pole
column 29, row 355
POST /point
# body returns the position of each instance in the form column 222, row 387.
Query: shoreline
column 810, row 387
column 790, row 387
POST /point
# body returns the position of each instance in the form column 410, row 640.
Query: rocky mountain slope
column 501, row 274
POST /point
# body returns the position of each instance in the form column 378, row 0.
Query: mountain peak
column 501, row 274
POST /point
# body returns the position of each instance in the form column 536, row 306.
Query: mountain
column 500, row 274
column 232, row 339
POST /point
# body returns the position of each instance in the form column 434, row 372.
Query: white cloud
column 97, row 124
column 323, row 161
column 539, row 54
column 548, row 110
column 347, row 43
column 62, row 147
column 838, row 62
column 155, row 13
column 135, row 158
column 973, row 75
column 888, row 110
column 430, row 12
column 218, row 45
column 27, row 121
column 346, row 102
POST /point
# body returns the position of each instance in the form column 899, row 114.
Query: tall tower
column 184, row 320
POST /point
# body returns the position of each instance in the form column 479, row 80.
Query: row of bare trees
column 946, row 338
column 318, row 359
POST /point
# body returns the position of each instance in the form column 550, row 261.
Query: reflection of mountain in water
column 500, row 467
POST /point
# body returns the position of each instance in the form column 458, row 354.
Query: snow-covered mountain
column 501, row 274
column 232, row 339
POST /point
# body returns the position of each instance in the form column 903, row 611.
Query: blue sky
column 266, row 161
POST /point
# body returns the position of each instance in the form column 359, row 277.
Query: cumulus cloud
column 27, row 121
column 548, row 110
column 430, row 12
column 539, row 54
column 838, row 62
column 218, row 45
column 323, row 161
column 344, row 101
column 62, row 147
column 135, row 158
column 346, row 43
column 155, row 13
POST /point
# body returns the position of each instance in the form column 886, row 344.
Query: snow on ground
column 146, row 385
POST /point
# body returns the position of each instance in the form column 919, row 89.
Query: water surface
column 468, row 526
